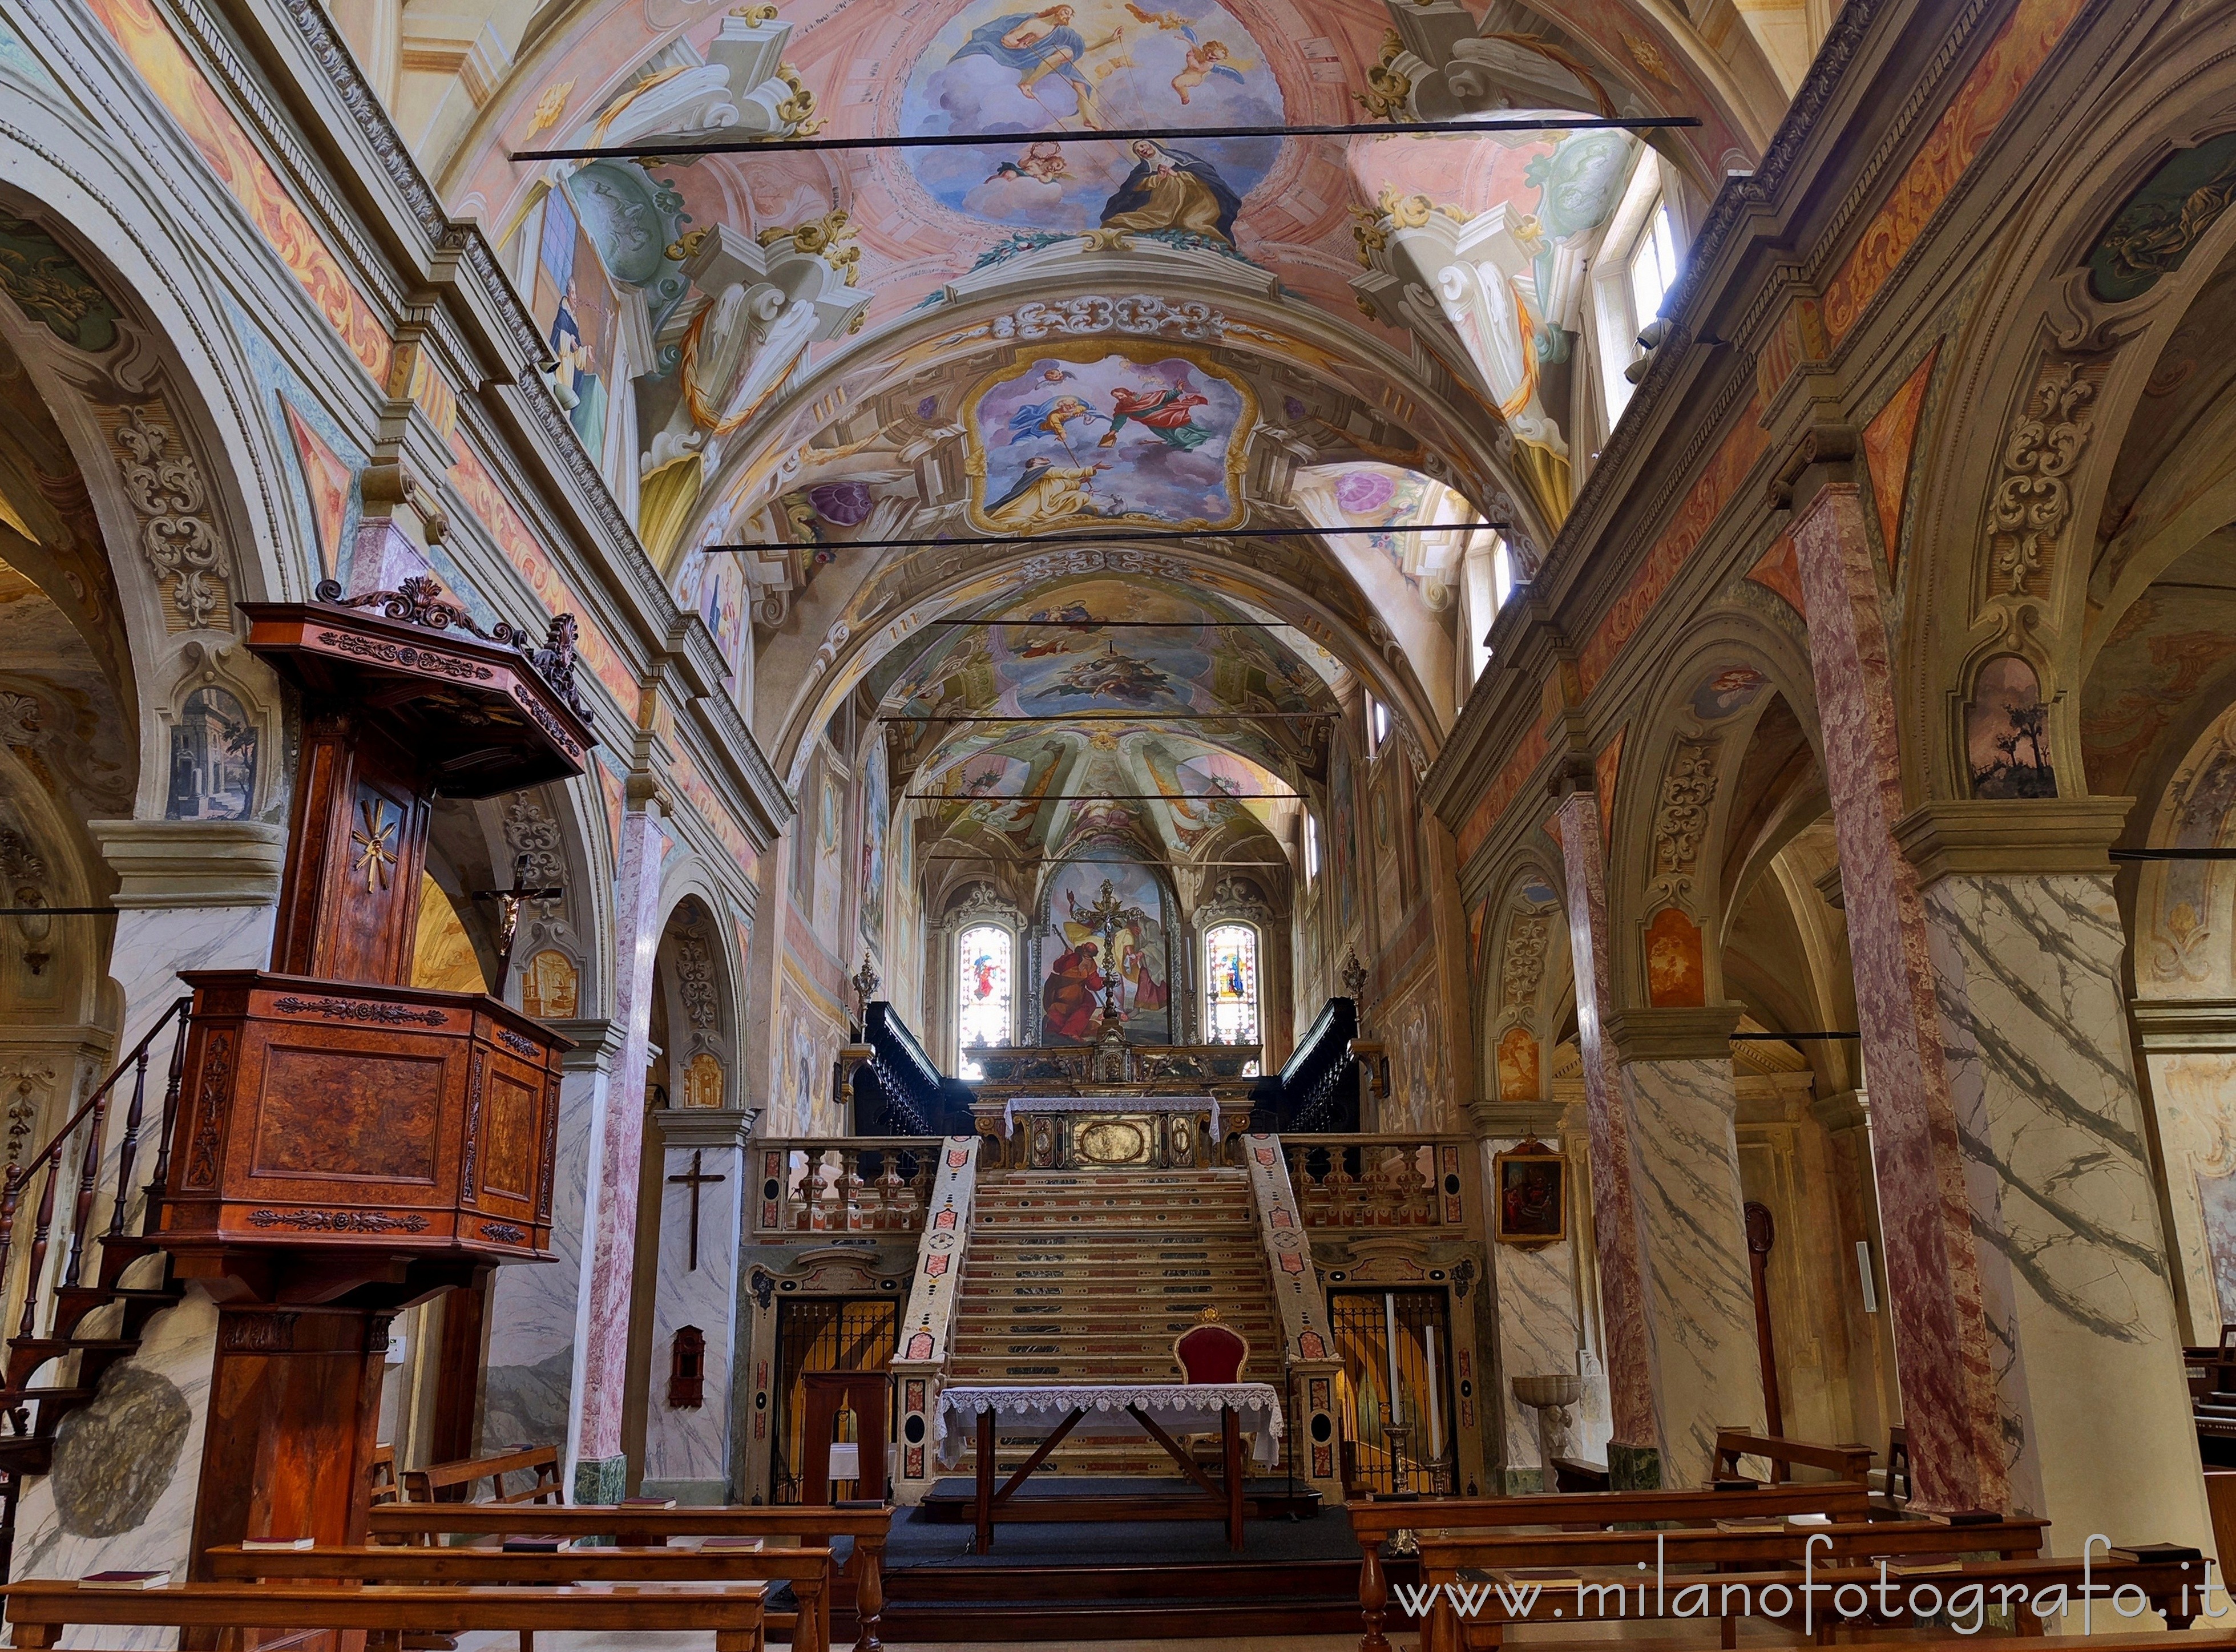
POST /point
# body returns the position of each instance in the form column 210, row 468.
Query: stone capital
column 192, row 863
column 1701, row 1033
column 705, row 1127
column 2022, row 837
column 1821, row 456
column 596, row 1043
column 1844, row 1109
column 1491, row 1121
column 2194, row 1026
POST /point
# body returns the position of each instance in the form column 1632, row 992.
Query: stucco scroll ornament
column 1680, row 821
column 19, row 720
column 1524, row 968
column 2033, row 500
column 180, row 542
column 1143, row 313
column 537, row 844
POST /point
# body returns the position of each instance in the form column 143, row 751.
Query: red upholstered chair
column 1211, row 1353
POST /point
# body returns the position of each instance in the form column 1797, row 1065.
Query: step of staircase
column 1076, row 1277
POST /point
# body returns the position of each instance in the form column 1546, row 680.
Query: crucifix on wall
column 696, row 1180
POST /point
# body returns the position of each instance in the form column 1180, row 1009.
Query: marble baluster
column 2028, row 959
column 1945, row 1353
column 601, row 1468
column 531, row 1394
column 687, row 1450
column 1675, row 1071
column 1634, row 1449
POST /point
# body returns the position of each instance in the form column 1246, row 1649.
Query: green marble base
column 1521, row 1483
column 1633, row 1468
column 602, row 1479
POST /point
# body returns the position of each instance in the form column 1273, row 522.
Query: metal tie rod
column 1138, row 536
column 1155, row 133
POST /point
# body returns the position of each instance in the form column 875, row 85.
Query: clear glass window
column 982, row 995
column 1652, row 263
column 1311, row 848
column 1230, row 974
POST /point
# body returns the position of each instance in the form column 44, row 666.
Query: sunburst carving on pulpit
column 374, row 839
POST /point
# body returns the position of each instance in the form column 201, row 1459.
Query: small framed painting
column 1533, row 1195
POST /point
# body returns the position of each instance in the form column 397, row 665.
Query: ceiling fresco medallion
column 1110, row 433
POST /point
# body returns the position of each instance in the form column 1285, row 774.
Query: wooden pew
column 2161, row 1583
column 38, row 1612
column 807, row 1570
column 428, row 1484
column 813, row 1524
column 1849, row 1462
column 1373, row 1523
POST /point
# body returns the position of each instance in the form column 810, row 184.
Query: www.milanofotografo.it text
column 1966, row 1604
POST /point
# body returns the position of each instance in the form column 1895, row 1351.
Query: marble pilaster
column 1541, row 1330
column 1675, row 1068
column 601, row 1469
column 534, row 1311
column 687, row 1452
column 2077, row 1282
column 1945, row 1358
column 1634, row 1443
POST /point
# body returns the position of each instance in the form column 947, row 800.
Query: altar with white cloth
column 1054, row 1412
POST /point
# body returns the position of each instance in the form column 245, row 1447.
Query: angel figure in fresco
column 1204, row 61
column 1046, row 491
column 1037, row 44
column 1042, row 163
column 1164, row 410
column 1050, row 418
column 1070, row 1000
column 1171, row 188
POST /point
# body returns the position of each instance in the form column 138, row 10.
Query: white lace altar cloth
column 1176, row 1407
column 1015, row 1105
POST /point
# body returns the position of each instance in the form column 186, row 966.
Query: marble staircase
column 1087, row 1277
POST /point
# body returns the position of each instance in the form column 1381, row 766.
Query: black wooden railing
column 1317, row 1087
column 900, row 1089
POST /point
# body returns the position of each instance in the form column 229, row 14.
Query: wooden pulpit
column 346, row 1144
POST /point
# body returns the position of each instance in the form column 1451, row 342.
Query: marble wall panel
column 1539, row 1334
column 687, row 1450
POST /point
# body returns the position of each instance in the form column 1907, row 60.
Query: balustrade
column 844, row 1184
column 1387, row 1181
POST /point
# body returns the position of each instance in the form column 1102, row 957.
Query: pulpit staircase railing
column 64, row 1299
column 900, row 1090
column 1316, row 1088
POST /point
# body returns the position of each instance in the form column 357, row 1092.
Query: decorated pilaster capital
column 2017, row 837
column 1844, row 1109
column 1491, row 1121
column 1821, row 455
column 1690, row 1034
column 597, row 1043
column 685, row 1128
column 192, row 863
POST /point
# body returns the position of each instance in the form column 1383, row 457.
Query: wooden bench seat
column 38, row 1612
column 1443, row 1630
column 807, row 1570
column 1372, row 1523
column 1848, row 1462
column 455, row 1482
column 858, row 1586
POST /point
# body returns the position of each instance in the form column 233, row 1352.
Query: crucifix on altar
column 1104, row 920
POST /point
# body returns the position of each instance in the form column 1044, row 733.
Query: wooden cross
column 696, row 1180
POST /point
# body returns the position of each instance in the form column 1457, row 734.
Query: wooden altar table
column 1055, row 1412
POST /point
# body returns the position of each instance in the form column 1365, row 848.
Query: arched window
column 1230, row 975
column 982, row 993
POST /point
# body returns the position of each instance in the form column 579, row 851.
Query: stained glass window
column 1231, row 983
column 982, row 993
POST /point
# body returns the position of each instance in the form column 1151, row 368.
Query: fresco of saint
column 1046, row 492
column 1071, row 997
column 1171, row 188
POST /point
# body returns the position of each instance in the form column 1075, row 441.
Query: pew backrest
column 1846, row 1462
column 1843, row 1501
column 540, row 1463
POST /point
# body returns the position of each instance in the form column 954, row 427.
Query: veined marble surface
column 531, row 1395
column 70, row 1525
column 1538, row 1335
column 2027, row 980
column 694, row 1446
column 1614, row 1216
column 1944, row 1347
column 1700, row 1294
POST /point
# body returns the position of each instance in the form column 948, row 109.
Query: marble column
column 686, row 1448
column 1541, row 1331
column 2026, row 1275
column 2028, row 952
column 1675, row 1067
column 601, row 1468
column 1635, row 1445
column 535, row 1309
